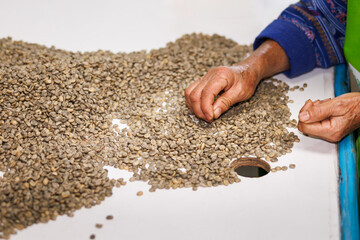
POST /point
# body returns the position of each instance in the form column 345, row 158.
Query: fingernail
column 217, row 113
column 304, row 116
column 208, row 117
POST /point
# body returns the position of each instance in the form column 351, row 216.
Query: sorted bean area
column 57, row 108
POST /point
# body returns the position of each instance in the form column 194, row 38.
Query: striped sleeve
column 312, row 34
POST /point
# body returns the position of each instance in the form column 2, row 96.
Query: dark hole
column 250, row 167
column 251, row 171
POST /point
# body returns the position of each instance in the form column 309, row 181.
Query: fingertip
column 208, row 117
column 189, row 105
column 304, row 116
column 217, row 112
column 222, row 104
column 299, row 127
column 309, row 103
column 207, row 108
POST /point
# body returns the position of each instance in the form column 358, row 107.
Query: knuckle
column 194, row 97
column 335, row 138
column 220, row 70
column 315, row 111
column 337, row 133
column 338, row 104
column 303, row 127
column 340, row 107
column 207, row 91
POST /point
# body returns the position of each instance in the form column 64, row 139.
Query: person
column 308, row 34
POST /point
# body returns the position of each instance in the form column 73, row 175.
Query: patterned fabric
column 312, row 33
column 352, row 40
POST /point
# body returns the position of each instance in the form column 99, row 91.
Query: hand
column 237, row 82
column 331, row 119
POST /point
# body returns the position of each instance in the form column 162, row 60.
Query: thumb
column 224, row 102
column 317, row 112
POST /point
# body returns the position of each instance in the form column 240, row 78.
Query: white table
column 294, row 204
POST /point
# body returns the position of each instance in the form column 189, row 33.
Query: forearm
column 268, row 59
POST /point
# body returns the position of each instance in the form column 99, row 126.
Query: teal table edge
column 348, row 179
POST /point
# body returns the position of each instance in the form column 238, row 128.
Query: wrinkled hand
column 238, row 83
column 331, row 119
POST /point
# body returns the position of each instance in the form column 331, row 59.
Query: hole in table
column 250, row 167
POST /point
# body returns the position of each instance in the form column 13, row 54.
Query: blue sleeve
column 311, row 33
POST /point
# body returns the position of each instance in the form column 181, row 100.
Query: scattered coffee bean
column 57, row 109
column 292, row 166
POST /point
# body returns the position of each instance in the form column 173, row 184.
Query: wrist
column 250, row 70
column 269, row 59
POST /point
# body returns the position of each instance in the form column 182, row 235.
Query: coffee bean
column 57, row 132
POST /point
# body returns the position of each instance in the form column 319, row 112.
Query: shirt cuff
column 297, row 46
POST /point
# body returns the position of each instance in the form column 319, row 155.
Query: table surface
column 296, row 204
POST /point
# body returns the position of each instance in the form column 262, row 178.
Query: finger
column 321, row 101
column 192, row 86
column 319, row 112
column 196, row 95
column 325, row 100
column 306, row 106
column 210, row 91
column 188, row 93
column 188, row 104
column 299, row 126
column 224, row 102
column 195, row 101
column 318, row 129
column 195, row 98
column 316, row 102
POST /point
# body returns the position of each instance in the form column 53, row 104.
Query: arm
column 300, row 44
column 238, row 82
column 319, row 27
column 312, row 34
column 304, row 38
